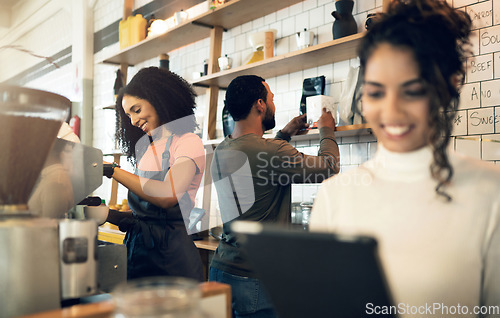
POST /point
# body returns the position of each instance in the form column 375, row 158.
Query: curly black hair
column 172, row 97
column 438, row 37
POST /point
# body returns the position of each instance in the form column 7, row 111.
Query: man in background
column 253, row 177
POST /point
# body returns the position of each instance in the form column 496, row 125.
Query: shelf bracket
column 206, row 25
column 201, row 85
column 206, row 86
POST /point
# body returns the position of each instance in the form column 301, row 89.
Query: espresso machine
column 43, row 260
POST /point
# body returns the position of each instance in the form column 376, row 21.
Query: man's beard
column 269, row 121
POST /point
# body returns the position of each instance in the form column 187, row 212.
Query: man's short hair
column 242, row 93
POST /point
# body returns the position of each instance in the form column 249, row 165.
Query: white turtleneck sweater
column 432, row 251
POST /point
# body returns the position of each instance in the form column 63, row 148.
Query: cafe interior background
column 79, row 34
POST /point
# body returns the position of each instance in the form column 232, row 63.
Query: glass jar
column 306, row 213
column 296, row 214
column 158, row 297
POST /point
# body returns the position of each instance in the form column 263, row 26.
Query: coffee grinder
column 31, row 270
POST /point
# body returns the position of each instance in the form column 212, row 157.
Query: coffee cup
column 96, row 213
column 180, row 17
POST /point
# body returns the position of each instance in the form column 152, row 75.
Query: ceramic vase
column 344, row 21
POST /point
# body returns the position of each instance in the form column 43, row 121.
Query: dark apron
column 157, row 240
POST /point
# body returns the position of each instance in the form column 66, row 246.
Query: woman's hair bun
column 435, row 14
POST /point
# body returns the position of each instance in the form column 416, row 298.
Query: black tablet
column 313, row 274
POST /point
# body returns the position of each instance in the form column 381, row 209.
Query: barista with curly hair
column 155, row 123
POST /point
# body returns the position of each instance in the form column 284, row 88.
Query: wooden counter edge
column 94, row 310
column 214, row 288
column 105, row 309
column 208, row 243
column 116, row 237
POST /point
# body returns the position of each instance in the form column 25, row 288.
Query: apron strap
column 233, row 188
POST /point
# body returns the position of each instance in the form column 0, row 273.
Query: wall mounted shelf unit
column 313, row 56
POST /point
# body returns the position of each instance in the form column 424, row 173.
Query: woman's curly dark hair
column 172, row 97
column 437, row 35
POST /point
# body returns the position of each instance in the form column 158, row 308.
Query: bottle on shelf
column 132, row 30
column 118, row 83
column 205, row 67
column 164, row 62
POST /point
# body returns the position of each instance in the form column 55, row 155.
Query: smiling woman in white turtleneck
column 435, row 214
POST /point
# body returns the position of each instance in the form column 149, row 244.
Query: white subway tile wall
column 479, row 115
column 470, row 146
column 481, row 14
column 490, row 147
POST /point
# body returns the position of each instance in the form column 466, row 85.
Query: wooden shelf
column 115, row 152
column 340, row 131
column 229, row 15
column 317, row 55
